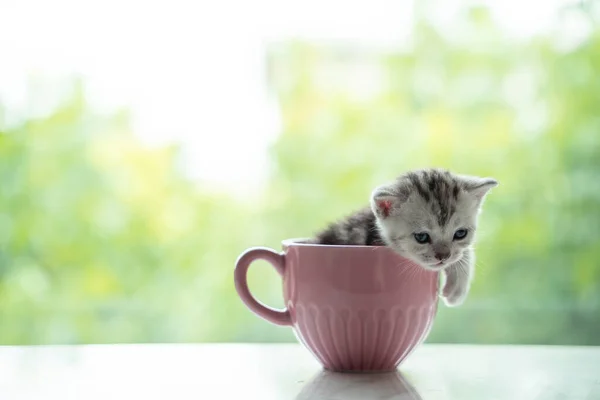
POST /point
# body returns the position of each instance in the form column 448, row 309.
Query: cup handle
column 277, row 260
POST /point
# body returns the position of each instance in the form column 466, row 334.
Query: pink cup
column 356, row 308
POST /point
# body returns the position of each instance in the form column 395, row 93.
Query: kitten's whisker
column 402, row 268
column 414, row 272
column 482, row 269
column 462, row 266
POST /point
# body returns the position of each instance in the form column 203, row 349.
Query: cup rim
column 302, row 242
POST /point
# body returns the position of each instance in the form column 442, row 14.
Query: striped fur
column 439, row 189
column 357, row 229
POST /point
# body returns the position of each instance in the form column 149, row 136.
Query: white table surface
column 288, row 371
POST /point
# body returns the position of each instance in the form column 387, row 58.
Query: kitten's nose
column 442, row 255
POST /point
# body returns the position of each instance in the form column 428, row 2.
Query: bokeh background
column 143, row 148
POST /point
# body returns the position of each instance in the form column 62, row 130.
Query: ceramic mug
column 356, row 308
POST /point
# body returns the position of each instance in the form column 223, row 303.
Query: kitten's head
column 430, row 216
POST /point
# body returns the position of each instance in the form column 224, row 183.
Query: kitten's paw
column 455, row 293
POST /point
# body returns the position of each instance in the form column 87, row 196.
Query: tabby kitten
column 428, row 216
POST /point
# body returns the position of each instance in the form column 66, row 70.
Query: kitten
column 428, row 216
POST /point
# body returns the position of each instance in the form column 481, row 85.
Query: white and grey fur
column 435, row 202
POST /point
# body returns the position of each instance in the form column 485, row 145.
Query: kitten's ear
column 479, row 187
column 386, row 200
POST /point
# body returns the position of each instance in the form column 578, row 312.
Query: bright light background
column 194, row 71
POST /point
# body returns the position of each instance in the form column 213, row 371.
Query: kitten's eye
column 422, row 237
column 460, row 234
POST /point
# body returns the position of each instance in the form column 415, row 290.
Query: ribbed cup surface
column 361, row 339
column 358, row 308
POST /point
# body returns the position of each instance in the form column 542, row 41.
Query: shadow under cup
column 356, row 308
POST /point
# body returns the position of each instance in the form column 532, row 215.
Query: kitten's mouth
column 437, row 263
column 444, row 263
column 436, row 267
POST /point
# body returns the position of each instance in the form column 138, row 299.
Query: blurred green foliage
column 103, row 239
column 526, row 113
